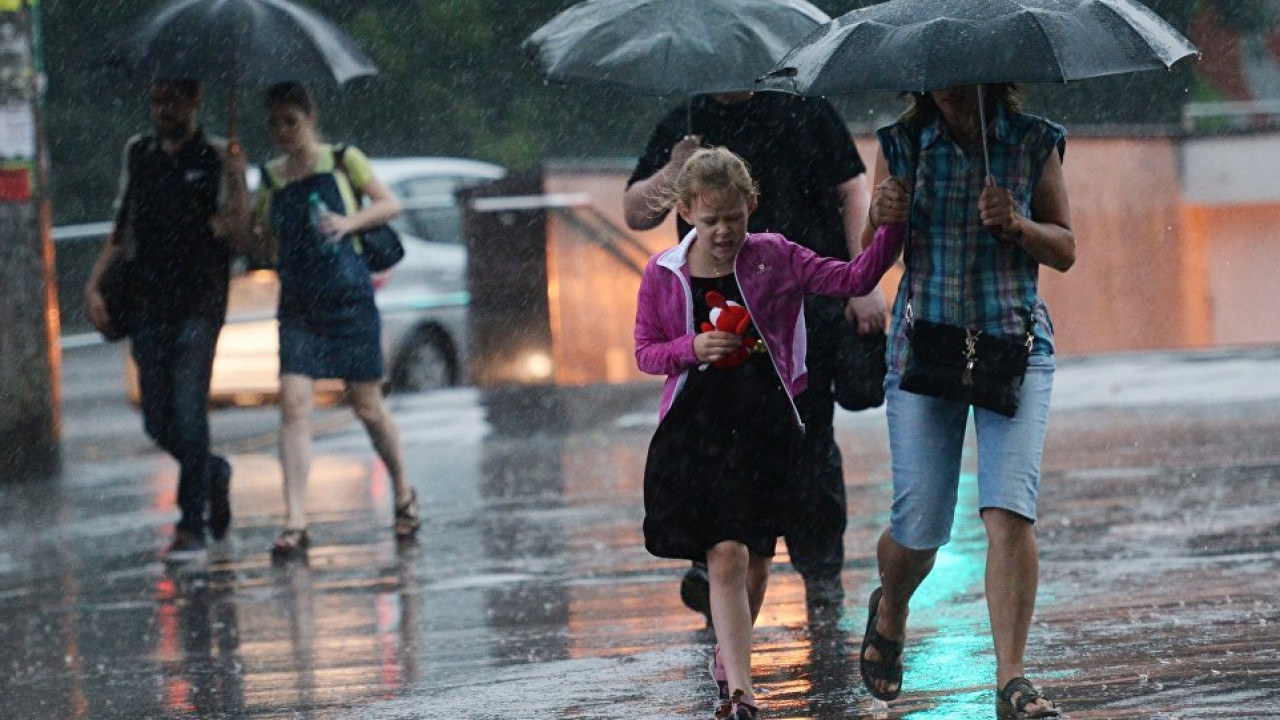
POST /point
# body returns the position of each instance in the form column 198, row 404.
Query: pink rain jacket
column 773, row 274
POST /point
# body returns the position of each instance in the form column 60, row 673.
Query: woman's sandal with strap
column 733, row 708
column 1009, row 709
column 290, row 542
column 408, row 518
column 889, row 667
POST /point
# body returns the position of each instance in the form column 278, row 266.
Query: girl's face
column 720, row 219
column 290, row 127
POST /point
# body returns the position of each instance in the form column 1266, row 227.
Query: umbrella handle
column 233, row 140
column 982, row 131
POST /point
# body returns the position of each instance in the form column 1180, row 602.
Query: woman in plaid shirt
column 977, row 240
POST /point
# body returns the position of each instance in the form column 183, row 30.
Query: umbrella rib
column 1128, row 25
column 1048, row 41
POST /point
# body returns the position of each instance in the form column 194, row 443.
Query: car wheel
column 426, row 363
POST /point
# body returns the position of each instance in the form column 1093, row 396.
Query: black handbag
column 859, row 368
column 962, row 364
column 115, row 287
column 381, row 246
column 965, row 365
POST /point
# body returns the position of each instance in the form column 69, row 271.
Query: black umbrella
column 921, row 45
column 240, row 42
column 683, row 47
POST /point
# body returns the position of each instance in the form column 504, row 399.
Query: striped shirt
column 959, row 274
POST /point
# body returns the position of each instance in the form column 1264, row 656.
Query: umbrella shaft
column 982, row 131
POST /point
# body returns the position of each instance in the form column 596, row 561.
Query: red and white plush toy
column 729, row 316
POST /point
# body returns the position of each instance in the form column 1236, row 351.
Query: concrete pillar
column 29, row 352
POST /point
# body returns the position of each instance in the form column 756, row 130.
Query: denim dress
column 329, row 324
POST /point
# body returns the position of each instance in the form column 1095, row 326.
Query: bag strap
column 340, row 165
column 264, row 177
column 914, row 145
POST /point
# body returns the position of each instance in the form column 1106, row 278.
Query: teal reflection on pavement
column 954, row 654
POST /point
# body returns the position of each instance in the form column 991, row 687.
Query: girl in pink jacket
column 728, row 435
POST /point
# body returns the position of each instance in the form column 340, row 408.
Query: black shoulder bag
column 116, row 284
column 962, row 364
column 381, row 245
column 859, row 367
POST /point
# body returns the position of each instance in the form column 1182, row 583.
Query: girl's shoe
column 716, row 668
column 408, row 519
column 734, row 708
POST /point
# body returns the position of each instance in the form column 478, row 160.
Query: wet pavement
column 529, row 593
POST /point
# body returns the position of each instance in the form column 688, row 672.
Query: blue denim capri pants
column 926, row 441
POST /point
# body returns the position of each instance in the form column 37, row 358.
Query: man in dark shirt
column 813, row 190
column 183, row 207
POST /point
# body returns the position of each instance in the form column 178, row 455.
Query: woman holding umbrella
column 976, row 242
column 329, row 325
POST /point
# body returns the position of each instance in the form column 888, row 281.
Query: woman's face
column 290, row 127
column 957, row 104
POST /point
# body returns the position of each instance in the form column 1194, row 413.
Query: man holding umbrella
column 813, row 191
column 180, row 211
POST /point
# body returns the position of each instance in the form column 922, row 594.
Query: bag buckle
column 970, row 355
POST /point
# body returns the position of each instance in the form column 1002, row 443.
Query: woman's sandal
column 290, row 542
column 1009, row 709
column 408, row 518
column 733, row 708
column 889, row 667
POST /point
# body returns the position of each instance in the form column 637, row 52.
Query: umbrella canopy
column 671, row 46
column 920, row 45
column 240, row 41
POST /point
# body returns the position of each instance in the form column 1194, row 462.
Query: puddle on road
column 530, row 593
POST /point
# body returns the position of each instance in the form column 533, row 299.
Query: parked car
column 423, row 300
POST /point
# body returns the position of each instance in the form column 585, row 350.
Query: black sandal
column 1007, row 709
column 888, row 668
column 408, row 518
column 290, row 542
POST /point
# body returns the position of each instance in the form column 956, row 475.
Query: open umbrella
column 921, row 45
column 671, row 47
column 239, row 42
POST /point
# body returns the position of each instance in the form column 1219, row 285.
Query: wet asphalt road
column 529, row 593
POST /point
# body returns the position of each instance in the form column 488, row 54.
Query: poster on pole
column 17, row 109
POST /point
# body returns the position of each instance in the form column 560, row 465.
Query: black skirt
column 719, row 462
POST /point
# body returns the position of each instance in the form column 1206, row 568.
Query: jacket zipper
column 776, row 371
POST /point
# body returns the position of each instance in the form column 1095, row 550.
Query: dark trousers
column 818, row 508
column 175, row 365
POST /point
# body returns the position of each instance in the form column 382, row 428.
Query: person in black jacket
column 180, row 213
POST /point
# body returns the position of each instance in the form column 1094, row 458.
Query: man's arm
column 642, row 201
column 869, row 310
column 231, row 223
column 855, row 201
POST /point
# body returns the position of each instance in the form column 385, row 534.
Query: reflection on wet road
column 529, row 593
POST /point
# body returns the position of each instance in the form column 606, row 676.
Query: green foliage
column 453, row 81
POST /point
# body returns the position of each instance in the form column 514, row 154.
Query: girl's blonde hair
column 709, row 171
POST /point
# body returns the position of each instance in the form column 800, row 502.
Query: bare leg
column 369, row 406
column 901, row 572
column 297, row 397
column 1013, row 572
column 730, row 567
